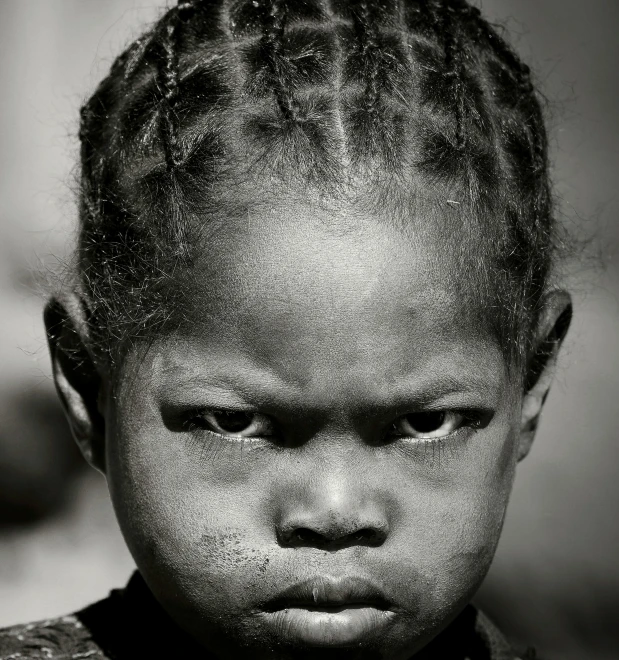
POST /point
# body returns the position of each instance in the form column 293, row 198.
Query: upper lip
column 326, row 592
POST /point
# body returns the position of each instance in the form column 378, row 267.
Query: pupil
column 427, row 421
column 233, row 422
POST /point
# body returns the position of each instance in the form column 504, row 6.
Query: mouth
column 329, row 612
column 330, row 593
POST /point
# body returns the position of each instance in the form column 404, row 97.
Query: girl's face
column 321, row 458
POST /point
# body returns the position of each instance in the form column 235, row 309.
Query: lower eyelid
column 464, row 429
column 205, row 434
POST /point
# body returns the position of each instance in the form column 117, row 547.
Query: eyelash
column 432, row 450
column 193, row 424
column 473, row 420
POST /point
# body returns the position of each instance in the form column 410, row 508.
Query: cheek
column 196, row 520
column 455, row 520
column 189, row 519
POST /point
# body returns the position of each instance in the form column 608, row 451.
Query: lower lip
column 343, row 627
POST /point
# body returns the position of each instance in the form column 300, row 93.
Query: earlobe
column 552, row 327
column 78, row 381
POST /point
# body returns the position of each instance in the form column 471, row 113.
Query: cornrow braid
column 454, row 68
column 168, row 83
column 90, row 201
column 368, row 46
column 534, row 120
column 274, row 17
column 440, row 16
column 522, row 70
column 497, row 44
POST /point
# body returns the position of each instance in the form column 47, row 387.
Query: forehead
column 295, row 284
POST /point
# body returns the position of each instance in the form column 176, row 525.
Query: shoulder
column 65, row 638
column 128, row 624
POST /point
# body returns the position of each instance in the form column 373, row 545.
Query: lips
column 330, row 593
column 329, row 612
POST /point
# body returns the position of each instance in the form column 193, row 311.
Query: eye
column 233, row 423
column 430, row 424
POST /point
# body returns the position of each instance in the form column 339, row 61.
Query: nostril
column 308, row 536
column 370, row 536
column 331, row 539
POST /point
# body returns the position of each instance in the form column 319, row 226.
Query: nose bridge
column 338, row 393
column 335, row 490
column 333, row 501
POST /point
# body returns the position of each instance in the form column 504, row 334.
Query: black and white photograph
column 309, row 329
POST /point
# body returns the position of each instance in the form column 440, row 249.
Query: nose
column 332, row 512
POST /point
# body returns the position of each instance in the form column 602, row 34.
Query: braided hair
column 318, row 93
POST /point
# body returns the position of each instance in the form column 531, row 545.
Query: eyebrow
column 253, row 385
column 429, row 389
column 246, row 382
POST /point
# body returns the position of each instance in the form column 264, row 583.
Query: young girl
column 311, row 330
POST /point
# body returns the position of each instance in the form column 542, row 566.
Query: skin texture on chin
column 334, row 335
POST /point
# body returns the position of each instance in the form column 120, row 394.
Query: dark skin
column 375, row 433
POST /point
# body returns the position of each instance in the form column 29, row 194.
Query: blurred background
column 555, row 581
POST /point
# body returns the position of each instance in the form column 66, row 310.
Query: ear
column 80, row 385
column 552, row 327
